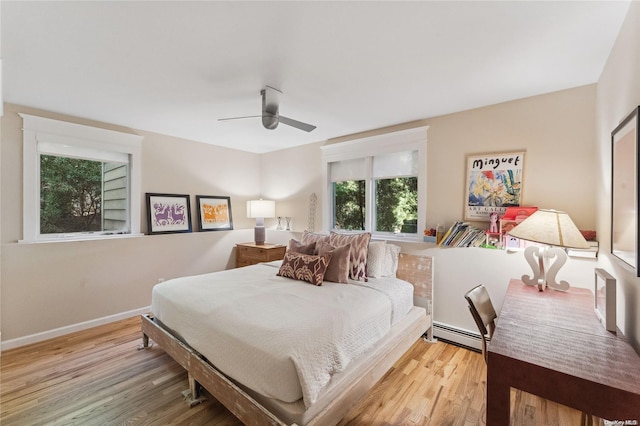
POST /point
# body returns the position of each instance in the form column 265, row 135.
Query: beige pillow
column 358, row 253
column 296, row 246
column 390, row 268
column 338, row 269
column 375, row 259
column 304, row 267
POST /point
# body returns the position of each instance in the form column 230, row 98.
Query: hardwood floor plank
column 98, row 377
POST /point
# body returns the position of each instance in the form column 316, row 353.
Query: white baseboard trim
column 57, row 332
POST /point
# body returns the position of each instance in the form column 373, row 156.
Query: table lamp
column 552, row 228
column 258, row 210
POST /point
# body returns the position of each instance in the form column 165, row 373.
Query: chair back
column 482, row 312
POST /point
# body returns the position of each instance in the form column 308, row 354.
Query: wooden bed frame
column 418, row 270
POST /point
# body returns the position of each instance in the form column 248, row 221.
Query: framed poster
column 624, row 192
column 214, row 213
column 494, row 182
column 168, row 213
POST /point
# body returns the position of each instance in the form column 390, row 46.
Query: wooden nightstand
column 250, row 253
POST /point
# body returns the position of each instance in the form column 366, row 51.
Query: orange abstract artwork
column 215, row 213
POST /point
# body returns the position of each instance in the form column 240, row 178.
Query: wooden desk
column 552, row 345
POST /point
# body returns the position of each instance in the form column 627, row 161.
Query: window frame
column 414, row 139
column 46, row 130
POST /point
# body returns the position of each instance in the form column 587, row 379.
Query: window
column 377, row 184
column 79, row 181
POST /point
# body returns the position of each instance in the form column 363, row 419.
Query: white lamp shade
column 550, row 227
column 261, row 208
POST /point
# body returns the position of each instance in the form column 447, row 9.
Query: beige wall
column 618, row 93
column 47, row 286
column 56, row 285
column 557, row 132
column 290, row 177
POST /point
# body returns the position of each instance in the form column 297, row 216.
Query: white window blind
column 346, row 170
column 396, row 164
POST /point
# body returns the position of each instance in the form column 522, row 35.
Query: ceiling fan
column 270, row 112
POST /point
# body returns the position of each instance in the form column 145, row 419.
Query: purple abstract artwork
column 168, row 214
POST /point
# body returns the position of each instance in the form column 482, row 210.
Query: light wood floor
column 97, row 377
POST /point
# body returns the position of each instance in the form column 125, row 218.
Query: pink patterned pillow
column 304, row 267
column 311, row 237
column 359, row 251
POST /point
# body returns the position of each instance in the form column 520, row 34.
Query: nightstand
column 251, row 253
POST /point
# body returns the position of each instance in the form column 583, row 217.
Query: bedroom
column 51, row 289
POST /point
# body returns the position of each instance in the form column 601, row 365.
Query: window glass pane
column 72, row 192
column 115, row 202
column 396, row 202
column 349, row 205
column 404, row 163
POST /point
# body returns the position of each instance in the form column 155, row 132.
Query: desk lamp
column 551, row 228
column 258, row 210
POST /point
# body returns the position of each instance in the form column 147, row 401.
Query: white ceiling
column 176, row 67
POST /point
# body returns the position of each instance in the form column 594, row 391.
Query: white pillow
column 390, row 260
column 376, row 258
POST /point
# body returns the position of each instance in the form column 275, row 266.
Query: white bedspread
column 280, row 337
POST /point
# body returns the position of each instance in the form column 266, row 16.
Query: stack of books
column 462, row 234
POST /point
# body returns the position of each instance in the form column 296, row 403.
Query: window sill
column 398, row 238
column 80, row 238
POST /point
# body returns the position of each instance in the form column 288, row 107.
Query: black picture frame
column 214, row 213
column 624, row 192
column 168, row 213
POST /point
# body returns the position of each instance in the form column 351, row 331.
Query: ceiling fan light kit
column 270, row 112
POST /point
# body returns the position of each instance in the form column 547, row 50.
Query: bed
column 255, row 341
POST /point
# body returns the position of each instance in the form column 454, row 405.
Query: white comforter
column 280, row 337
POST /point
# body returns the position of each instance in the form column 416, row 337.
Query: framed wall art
column 624, row 191
column 493, row 183
column 214, row 213
column 168, row 213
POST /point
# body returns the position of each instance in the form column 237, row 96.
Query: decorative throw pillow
column 358, row 253
column 338, row 269
column 390, row 268
column 296, row 246
column 375, row 258
column 311, row 237
column 304, row 267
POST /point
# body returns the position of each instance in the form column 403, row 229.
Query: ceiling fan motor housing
column 269, row 109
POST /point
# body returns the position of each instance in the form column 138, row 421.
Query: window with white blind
column 377, row 184
column 79, row 181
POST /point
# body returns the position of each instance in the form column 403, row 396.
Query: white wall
column 617, row 94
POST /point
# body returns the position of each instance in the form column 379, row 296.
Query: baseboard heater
column 457, row 335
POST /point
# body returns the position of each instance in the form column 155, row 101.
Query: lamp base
column 544, row 274
column 259, row 235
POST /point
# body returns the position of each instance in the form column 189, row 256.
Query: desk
column 552, row 345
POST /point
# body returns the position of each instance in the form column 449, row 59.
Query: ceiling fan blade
column 239, row 118
column 297, row 124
